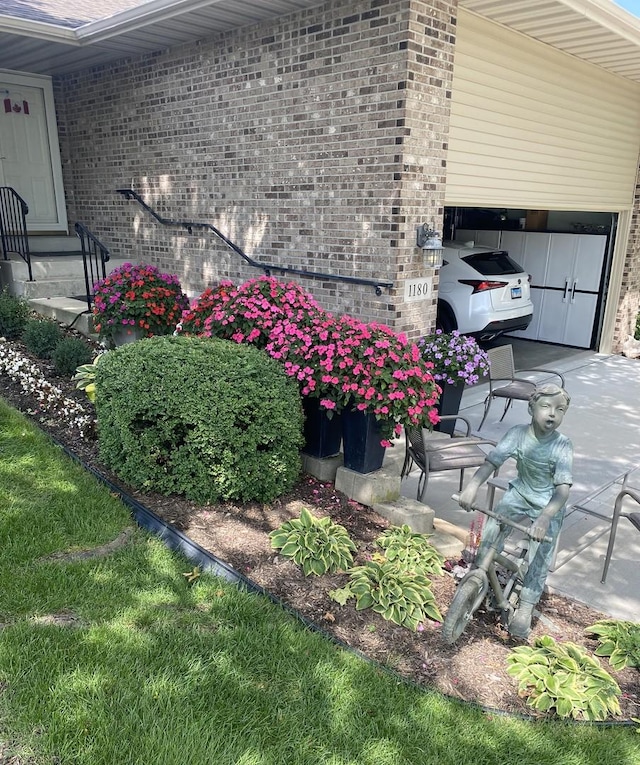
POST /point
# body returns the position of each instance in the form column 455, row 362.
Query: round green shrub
column 14, row 313
column 41, row 337
column 206, row 418
column 69, row 354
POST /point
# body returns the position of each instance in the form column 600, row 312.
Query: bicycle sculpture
column 538, row 494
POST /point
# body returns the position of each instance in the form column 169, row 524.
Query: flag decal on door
column 14, row 106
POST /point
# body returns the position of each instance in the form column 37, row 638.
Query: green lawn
column 149, row 670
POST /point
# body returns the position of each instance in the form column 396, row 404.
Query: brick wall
column 629, row 298
column 316, row 141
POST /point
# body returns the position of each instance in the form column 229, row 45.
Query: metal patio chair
column 618, row 513
column 433, row 455
column 502, row 370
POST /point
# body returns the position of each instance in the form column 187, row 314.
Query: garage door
column 534, row 128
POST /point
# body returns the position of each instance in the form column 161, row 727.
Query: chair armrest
column 547, row 371
column 440, row 444
column 458, row 417
column 635, row 495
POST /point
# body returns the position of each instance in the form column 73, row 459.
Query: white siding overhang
column 38, row 38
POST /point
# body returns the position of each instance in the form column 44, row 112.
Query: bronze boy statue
column 544, row 459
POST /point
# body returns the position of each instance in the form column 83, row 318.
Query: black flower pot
column 361, row 445
column 449, row 403
column 322, row 430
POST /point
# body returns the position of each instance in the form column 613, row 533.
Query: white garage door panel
column 535, row 128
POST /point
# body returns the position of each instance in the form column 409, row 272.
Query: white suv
column 482, row 292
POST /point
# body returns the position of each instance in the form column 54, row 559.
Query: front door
column 29, row 154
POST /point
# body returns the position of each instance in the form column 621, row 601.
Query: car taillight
column 482, row 285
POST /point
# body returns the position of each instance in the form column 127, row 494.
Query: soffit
column 56, row 37
column 53, row 37
column 597, row 31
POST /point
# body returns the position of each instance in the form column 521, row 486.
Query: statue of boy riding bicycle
column 538, row 494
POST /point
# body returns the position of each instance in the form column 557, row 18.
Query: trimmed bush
column 41, row 336
column 205, row 418
column 69, row 354
column 14, row 313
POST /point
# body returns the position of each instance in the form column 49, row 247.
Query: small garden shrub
column 410, row 550
column 69, row 354
column 564, row 678
column 14, row 313
column 619, row 640
column 41, row 336
column 317, row 544
column 398, row 595
column 206, row 418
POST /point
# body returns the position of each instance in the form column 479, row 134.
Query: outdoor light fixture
column 430, row 242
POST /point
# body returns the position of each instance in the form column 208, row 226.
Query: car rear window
column 495, row 263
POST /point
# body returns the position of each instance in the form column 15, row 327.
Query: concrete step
column 69, row 311
column 48, row 268
column 54, row 243
column 42, row 288
column 44, row 267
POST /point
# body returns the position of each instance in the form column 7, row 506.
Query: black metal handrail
column 377, row 284
column 13, row 226
column 94, row 257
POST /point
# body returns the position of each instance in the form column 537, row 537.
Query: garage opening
column 567, row 255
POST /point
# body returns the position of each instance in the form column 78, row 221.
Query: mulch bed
column 473, row 670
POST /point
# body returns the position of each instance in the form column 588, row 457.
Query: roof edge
column 609, row 16
column 135, row 18
column 38, row 29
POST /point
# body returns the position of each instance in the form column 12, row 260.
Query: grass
column 148, row 669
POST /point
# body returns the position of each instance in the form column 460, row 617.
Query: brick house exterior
column 315, row 140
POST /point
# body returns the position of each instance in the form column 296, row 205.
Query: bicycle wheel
column 468, row 597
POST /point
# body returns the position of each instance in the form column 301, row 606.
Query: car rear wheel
column 445, row 319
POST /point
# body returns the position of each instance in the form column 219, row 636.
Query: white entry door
column 29, row 153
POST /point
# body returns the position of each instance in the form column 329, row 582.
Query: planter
column 322, row 434
column 449, row 403
column 124, row 335
column 361, row 445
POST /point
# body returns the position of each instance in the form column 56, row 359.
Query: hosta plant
column 85, row 378
column 398, row 595
column 619, row 640
column 562, row 677
column 318, row 545
column 410, row 550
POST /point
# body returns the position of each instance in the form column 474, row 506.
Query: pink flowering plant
column 380, row 372
column 343, row 362
column 248, row 313
column 138, row 296
column 347, row 363
column 456, row 358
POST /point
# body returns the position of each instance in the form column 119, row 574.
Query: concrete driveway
column 603, row 422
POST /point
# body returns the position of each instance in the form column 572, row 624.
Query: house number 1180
column 417, row 289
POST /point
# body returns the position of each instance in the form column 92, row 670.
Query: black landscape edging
column 177, row 541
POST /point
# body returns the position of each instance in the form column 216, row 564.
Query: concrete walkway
column 603, row 422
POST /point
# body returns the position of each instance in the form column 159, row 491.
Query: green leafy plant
column 397, row 594
column 204, row 418
column 41, row 336
column 563, row 677
column 318, row 545
column 14, row 313
column 69, row 354
column 410, row 550
column 619, row 640
column 85, row 377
